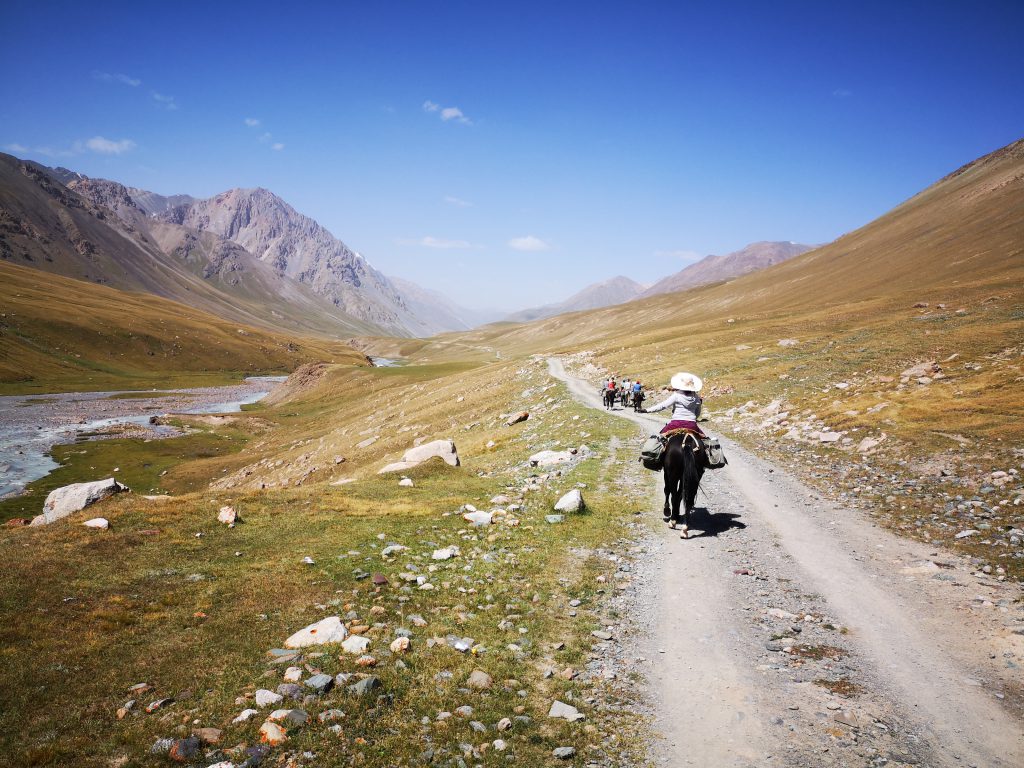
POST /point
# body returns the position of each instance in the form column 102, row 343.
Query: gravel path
column 791, row 631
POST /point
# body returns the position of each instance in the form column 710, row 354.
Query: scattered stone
column 158, row 704
column 365, row 686
column 356, row 644
column 965, row 534
column 320, row 683
column 392, row 549
column 553, row 519
column 550, row 458
column 478, row 518
column 208, row 735
column 265, row 698
column 406, row 482
column 227, row 515
column 379, row 580
column 367, row 442
column 97, row 522
column 399, row 645
column 479, row 680
column 499, row 745
column 516, row 418
column 564, row 753
column 329, row 715
column 602, row 634
column 183, row 750
column 329, row 630
column 62, row 502
column 830, row 437
column 292, row 674
column 445, row 554
column 788, row 342
column 244, row 715
column 504, row 724
column 289, row 717
column 571, row 502
column 565, row 711
column 272, row 734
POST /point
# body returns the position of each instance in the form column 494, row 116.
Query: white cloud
column 16, row 147
column 842, row 93
column 277, row 146
column 108, row 77
column 164, row 101
column 528, row 243
column 252, row 122
column 265, row 137
column 104, row 146
column 447, row 114
column 457, row 202
column 437, row 242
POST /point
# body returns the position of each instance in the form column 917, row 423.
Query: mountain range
column 247, row 255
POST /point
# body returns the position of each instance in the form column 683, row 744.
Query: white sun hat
column 687, row 382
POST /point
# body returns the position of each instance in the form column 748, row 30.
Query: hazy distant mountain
column 437, row 310
column 617, row 290
column 712, row 269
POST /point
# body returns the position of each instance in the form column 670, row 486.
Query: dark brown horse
column 683, row 468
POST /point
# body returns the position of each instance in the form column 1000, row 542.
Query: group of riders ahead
column 684, row 400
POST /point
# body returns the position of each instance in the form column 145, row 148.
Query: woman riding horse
column 682, row 466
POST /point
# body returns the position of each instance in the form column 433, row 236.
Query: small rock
column 399, row 645
column 272, row 734
column 479, row 680
column 97, row 522
column 289, row 717
column 158, row 704
column 517, row 418
column 965, row 534
column 208, row 735
column 329, row 715
column 406, row 482
column 183, row 750
column 553, row 519
column 244, row 715
column 265, row 698
column 445, row 554
column 602, row 634
column 356, row 644
column 227, row 515
column 564, row 753
column 320, row 683
column 571, row 502
column 365, row 686
column 329, row 630
column 565, row 711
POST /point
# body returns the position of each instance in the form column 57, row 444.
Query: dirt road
column 791, row 631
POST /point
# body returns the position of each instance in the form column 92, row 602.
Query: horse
column 638, row 400
column 624, row 397
column 683, row 468
column 609, row 399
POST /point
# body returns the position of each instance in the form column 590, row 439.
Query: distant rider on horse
column 686, row 404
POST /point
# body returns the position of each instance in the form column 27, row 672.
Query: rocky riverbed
column 30, row 425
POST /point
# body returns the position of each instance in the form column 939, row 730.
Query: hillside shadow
column 712, row 523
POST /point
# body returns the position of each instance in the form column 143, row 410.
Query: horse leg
column 667, row 512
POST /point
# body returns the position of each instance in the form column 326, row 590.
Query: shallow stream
column 30, row 425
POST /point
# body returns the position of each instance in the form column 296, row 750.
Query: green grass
column 139, row 464
column 148, row 601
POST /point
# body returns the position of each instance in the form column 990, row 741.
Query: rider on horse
column 685, row 403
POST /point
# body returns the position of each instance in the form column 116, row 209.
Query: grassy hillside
column 59, row 334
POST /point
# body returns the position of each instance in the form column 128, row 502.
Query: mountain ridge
column 614, row 290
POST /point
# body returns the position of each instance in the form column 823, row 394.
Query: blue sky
column 510, row 154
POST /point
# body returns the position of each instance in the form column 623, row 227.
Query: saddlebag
column 714, row 456
column 650, row 453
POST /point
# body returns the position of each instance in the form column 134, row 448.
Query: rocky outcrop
column 72, row 498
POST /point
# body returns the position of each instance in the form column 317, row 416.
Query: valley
column 855, row 599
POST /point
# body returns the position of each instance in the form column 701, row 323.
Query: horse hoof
column 672, row 525
column 686, row 532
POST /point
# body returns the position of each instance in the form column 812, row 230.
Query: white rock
column 245, row 715
column 265, row 698
column 445, row 554
column 97, row 522
column 356, row 644
column 71, row 498
column 571, row 502
column 788, row 342
column 292, row 674
column 329, row 630
column 829, row 437
column 444, row 449
column 227, row 515
column 392, row 549
column 406, row 482
column 550, row 458
column 478, row 518
column 367, row 442
column 869, row 443
column 308, row 561
column 565, row 711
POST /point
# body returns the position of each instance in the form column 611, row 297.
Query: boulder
column 571, row 502
column 227, row 515
column 443, row 449
column 71, row 498
column 550, row 458
column 329, row 630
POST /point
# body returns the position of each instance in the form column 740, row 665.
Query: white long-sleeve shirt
column 685, row 406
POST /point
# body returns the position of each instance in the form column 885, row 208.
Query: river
column 30, row 425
